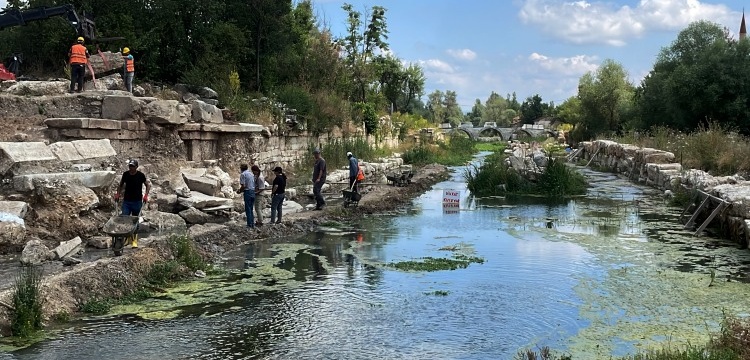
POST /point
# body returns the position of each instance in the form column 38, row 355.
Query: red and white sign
column 451, row 200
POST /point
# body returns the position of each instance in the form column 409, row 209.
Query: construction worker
column 79, row 56
column 128, row 69
column 133, row 198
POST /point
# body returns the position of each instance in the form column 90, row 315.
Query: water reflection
column 585, row 275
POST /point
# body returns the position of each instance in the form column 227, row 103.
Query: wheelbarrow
column 351, row 197
column 120, row 227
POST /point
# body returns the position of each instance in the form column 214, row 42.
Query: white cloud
column 565, row 66
column 436, row 65
column 462, row 54
column 583, row 22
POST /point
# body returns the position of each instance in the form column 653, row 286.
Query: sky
column 475, row 47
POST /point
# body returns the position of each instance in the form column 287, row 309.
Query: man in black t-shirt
column 277, row 194
column 131, row 188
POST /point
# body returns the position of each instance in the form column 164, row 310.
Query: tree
column 412, row 87
column 453, row 113
column 513, row 102
column 361, row 44
column 702, row 75
column 493, row 109
column 436, row 107
column 570, row 111
column 475, row 115
column 532, row 109
column 603, row 94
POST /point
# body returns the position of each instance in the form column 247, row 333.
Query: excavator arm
column 83, row 26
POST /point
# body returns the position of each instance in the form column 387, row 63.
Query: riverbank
column 66, row 292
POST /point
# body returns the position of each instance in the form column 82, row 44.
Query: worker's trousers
column 77, row 72
column 128, row 78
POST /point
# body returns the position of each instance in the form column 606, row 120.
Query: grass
column 490, row 146
column 185, row 261
column 334, row 151
column 494, row 177
column 715, row 148
column 455, row 151
column 26, row 317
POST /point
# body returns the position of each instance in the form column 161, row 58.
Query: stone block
column 199, row 200
column 166, row 202
column 92, row 149
column 130, row 125
column 12, row 153
column 15, row 208
column 206, row 113
column 81, row 167
column 91, row 179
column 35, row 253
column 12, row 234
column 114, row 62
column 65, row 151
column 194, row 171
column 105, row 124
column 206, row 185
column 165, row 222
column 120, row 107
column 67, row 123
column 104, row 134
column 68, row 247
column 231, row 128
column 100, row 242
column 39, row 88
column 167, row 112
column 195, row 216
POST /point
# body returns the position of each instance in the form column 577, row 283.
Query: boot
column 134, row 242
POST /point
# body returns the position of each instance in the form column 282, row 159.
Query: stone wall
column 657, row 168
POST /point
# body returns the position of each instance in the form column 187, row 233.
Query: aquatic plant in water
column 459, row 261
column 26, row 316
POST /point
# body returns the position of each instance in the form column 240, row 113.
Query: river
column 606, row 274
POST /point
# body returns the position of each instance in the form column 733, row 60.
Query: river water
column 606, row 274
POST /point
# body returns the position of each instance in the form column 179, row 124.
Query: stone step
column 92, row 123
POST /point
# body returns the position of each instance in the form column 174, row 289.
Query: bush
column 456, row 150
column 494, row 177
column 26, row 317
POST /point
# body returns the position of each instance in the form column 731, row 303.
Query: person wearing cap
column 78, row 56
column 319, row 178
column 131, row 189
column 277, row 194
column 247, row 189
column 128, row 69
column 260, row 186
column 353, row 171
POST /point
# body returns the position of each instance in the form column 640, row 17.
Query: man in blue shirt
column 247, row 188
column 353, row 171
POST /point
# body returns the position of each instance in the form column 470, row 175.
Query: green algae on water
column 436, row 264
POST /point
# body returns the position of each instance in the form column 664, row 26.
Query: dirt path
column 102, row 276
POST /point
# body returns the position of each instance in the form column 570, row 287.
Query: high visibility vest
column 78, row 54
column 129, row 64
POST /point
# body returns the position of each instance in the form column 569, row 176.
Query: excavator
column 83, row 26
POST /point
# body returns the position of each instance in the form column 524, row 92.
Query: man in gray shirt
column 319, row 178
column 247, row 189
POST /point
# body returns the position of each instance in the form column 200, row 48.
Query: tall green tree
column 436, row 107
column 702, row 76
column 475, row 115
column 494, row 107
column 533, row 108
column 363, row 41
column 605, row 96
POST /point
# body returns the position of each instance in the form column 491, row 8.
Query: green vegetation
column 438, row 293
column 185, row 261
column 26, row 316
column 715, row 147
column 732, row 343
column 494, row 177
column 456, row 150
column 334, row 151
column 490, row 146
column 459, row 261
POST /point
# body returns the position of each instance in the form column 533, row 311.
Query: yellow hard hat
column 125, row 50
column 80, row 39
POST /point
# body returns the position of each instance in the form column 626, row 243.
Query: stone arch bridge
column 504, row 134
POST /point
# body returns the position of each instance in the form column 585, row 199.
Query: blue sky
column 531, row 47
